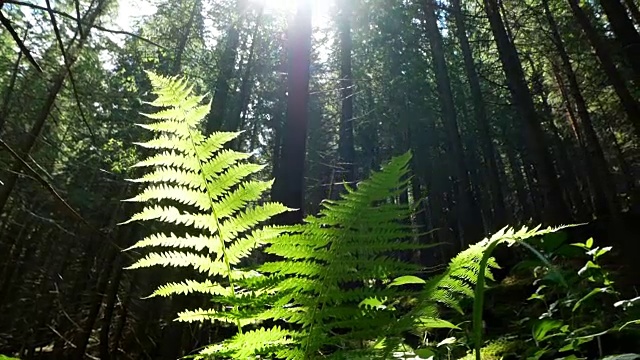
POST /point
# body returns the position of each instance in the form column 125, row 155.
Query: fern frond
column 197, row 243
column 261, row 342
column 194, row 185
column 343, row 256
column 191, row 286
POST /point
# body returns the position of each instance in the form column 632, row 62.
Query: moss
column 499, row 349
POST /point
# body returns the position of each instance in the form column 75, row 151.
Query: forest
column 310, row 179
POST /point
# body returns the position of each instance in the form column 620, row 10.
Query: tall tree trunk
column 6, row 100
column 227, row 63
column 554, row 210
column 625, row 31
column 43, row 114
column 629, row 103
column 346, row 148
column 184, row 39
column 480, row 113
column 580, row 167
column 237, row 122
column 289, row 185
column 467, row 210
column 605, row 198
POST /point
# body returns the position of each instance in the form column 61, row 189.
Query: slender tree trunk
column 580, row 167
column 605, row 197
column 480, row 113
column 467, row 212
column 523, row 196
column 12, row 177
column 554, row 210
column 227, row 62
column 121, row 320
column 237, row 122
column 346, row 148
column 625, row 31
column 289, row 185
column 629, row 103
column 111, row 296
column 6, row 101
column 184, row 39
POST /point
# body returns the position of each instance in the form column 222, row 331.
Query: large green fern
column 201, row 192
column 335, row 263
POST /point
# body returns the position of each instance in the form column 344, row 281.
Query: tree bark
column 605, row 201
column 245, row 88
column 554, row 210
column 346, row 148
column 625, row 32
column 6, row 101
column 289, row 185
column 629, row 103
column 227, row 63
column 182, row 43
column 467, row 210
column 480, row 113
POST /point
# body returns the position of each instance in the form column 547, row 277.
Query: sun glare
column 321, row 13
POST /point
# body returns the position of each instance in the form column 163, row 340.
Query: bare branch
column 97, row 27
column 7, row 24
column 44, row 183
column 56, row 30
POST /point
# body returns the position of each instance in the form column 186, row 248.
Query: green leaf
column 425, row 353
column 435, row 323
column 373, row 303
column 447, row 341
column 589, row 243
column 589, row 295
column 622, row 357
column 589, row 265
column 408, row 279
column 543, row 327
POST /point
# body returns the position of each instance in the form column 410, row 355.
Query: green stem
column 223, row 247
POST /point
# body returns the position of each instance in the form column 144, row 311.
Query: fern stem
column 478, row 298
column 217, row 225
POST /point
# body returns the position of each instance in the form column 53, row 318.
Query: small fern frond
column 256, row 342
column 197, row 243
column 191, row 286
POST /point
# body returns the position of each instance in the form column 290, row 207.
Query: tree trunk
column 6, row 101
column 182, row 43
column 605, row 198
column 625, row 31
column 43, row 114
column 227, row 63
column 554, row 210
column 467, row 210
column 346, row 148
column 480, row 113
column 289, row 185
column 629, row 103
column 236, row 122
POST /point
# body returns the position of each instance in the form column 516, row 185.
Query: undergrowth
column 339, row 287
